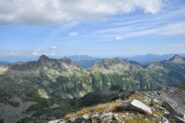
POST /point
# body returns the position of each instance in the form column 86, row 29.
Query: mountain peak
column 43, row 58
column 177, row 59
column 106, row 63
column 177, row 56
column 111, row 61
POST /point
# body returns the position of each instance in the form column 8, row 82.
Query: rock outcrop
column 171, row 110
column 137, row 105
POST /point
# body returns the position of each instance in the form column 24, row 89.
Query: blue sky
column 96, row 28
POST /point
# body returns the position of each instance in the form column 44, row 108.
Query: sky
column 98, row 28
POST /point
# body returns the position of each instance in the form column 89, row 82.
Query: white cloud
column 48, row 51
column 118, row 38
column 52, row 51
column 37, row 52
column 72, row 34
column 54, row 47
column 177, row 28
column 59, row 11
column 14, row 53
column 170, row 29
column 178, row 46
column 150, row 6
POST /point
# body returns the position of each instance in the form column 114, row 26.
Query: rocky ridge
column 140, row 107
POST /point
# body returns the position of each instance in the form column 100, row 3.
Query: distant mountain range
column 86, row 61
column 148, row 58
column 45, row 87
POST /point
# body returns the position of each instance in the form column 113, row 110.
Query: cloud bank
column 60, row 11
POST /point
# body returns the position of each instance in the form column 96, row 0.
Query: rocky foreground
column 164, row 106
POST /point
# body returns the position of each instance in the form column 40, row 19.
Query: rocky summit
column 140, row 107
column 49, row 89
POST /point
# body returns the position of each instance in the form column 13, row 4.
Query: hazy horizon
column 13, row 59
